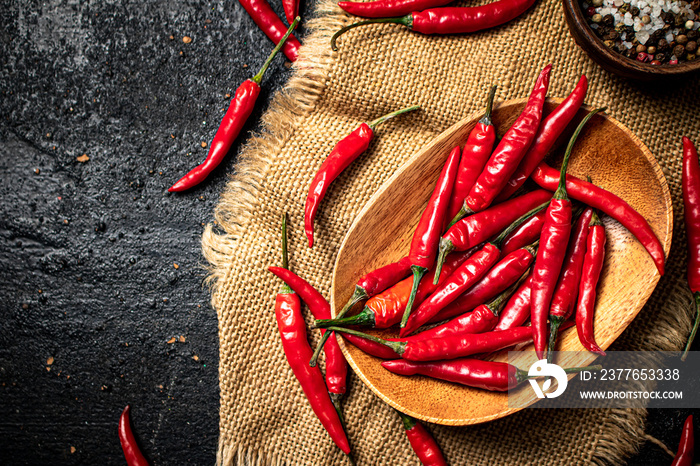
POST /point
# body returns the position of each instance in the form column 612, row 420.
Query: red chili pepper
column 372, row 348
column 132, row 454
column 525, row 234
column 426, row 237
column 551, row 128
column 267, row 20
column 475, row 154
column 296, row 348
column 509, row 152
column 686, row 447
column 342, row 155
column 423, row 444
column 291, row 9
column 691, row 203
column 384, row 8
column 592, row 265
column 550, row 256
column 452, row 20
column 566, row 290
column 517, row 309
column 598, row 198
column 239, row 110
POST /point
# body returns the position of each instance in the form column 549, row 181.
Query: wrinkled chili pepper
column 509, row 151
column 691, row 203
column 590, row 272
column 524, row 235
column 551, row 128
column 423, row 444
column 296, row 348
column 517, row 309
column 389, row 8
column 240, row 108
column 566, row 290
column 426, row 237
column 269, row 23
column 131, row 450
column 452, row 20
column 475, row 154
column 550, row 256
column 342, row 155
column 686, row 447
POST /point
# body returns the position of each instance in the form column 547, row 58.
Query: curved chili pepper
column 691, row 203
column 550, row 256
column 475, row 154
column 342, row 155
column 388, row 8
column 686, row 447
column 240, row 108
column 524, row 234
column 426, row 237
column 291, row 9
column 267, row 20
column 452, row 20
column 605, row 201
column 132, row 454
column 517, row 309
column 509, row 151
column 592, row 265
column 551, row 128
column 372, row 348
column 423, row 444
column 566, row 290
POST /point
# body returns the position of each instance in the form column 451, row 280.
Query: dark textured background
column 88, row 250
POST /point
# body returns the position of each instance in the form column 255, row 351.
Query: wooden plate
column 616, row 160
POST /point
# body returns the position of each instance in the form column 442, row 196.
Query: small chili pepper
column 517, row 309
column 475, row 154
column 372, row 348
column 342, row 155
column 488, row 375
column 132, row 454
column 605, row 201
column 566, row 290
column 291, row 9
column 525, row 234
column 296, row 348
column 426, row 237
column 691, row 203
column 550, row 256
column 549, row 131
column 423, row 444
column 592, row 265
column 452, row 20
column 239, row 110
column 509, row 151
column 388, row 8
column 267, row 20
column 686, row 447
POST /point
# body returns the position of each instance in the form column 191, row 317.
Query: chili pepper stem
column 258, row 77
column 408, row 422
column 522, row 376
column 555, row 322
column 365, row 317
column 696, row 298
column 446, row 247
column 285, row 258
column 516, row 224
column 396, row 346
column 418, row 273
column 486, row 119
column 403, row 20
column 336, row 398
column 382, row 119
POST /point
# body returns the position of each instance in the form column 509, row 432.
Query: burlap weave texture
column 264, row 416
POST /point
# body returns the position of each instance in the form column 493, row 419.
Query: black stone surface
column 90, row 293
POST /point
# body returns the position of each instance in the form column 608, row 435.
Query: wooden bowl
column 614, row 157
column 612, row 61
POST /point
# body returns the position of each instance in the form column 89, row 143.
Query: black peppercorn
column 695, row 6
column 679, row 51
column 681, row 39
column 692, row 34
column 679, row 21
column 635, row 11
column 662, row 45
column 608, row 20
column 668, row 17
column 612, row 35
column 660, row 56
column 691, row 46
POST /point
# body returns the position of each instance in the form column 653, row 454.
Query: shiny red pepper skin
column 592, row 266
column 379, row 280
column 511, row 149
column 691, row 202
column 372, row 348
column 526, row 234
column 461, row 20
column 261, row 12
column 600, row 199
column 423, row 444
column 487, row 375
column 389, row 8
column 132, row 454
column 481, row 320
column 686, row 447
column 517, row 309
column 291, row 9
column 551, row 128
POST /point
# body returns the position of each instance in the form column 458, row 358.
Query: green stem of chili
column 382, row 119
column 418, row 273
column 403, row 20
column 554, row 323
column 696, row 297
column 365, row 318
column 497, row 304
column 516, row 224
column 486, row 119
column 396, row 346
column 285, row 258
column 258, row 77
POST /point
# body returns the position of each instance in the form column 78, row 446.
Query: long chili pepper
column 423, row 444
column 592, row 265
column 549, row 131
column 452, row 20
column 296, row 348
column 342, row 155
column 686, row 447
column 691, row 203
column 291, row 9
column 267, row 20
column 550, row 256
column 386, row 309
column 372, row 348
column 132, row 454
column 566, row 290
column 488, row 223
column 509, row 151
column 475, row 154
column 605, row 201
column 488, row 375
column 389, row 8
column 525, row 234
column 426, row 237
column 517, row 309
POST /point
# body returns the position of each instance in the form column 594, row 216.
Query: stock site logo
column 544, row 369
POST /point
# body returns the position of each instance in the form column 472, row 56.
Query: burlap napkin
column 264, row 416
